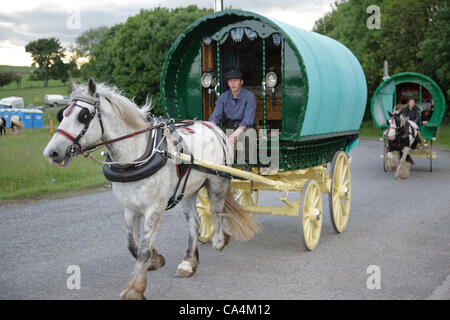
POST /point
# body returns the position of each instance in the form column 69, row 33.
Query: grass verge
column 24, row 172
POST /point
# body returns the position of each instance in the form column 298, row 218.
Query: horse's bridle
column 85, row 117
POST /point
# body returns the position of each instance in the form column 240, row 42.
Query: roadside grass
column 24, row 172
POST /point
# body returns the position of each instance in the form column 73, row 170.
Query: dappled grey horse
column 99, row 113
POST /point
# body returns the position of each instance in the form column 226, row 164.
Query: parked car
column 11, row 102
column 55, row 100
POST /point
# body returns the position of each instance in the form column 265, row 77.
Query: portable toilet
column 7, row 115
column 27, row 117
column 38, row 119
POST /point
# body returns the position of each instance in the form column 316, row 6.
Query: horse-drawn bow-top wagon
column 309, row 87
column 394, row 92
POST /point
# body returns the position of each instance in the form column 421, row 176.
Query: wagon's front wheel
column 341, row 191
column 204, row 209
column 312, row 214
column 246, row 198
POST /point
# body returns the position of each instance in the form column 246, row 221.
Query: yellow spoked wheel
column 204, row 209
column 246, row 198
column 312, row 214
column 341, row 191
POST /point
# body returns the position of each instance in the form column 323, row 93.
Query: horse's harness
column 84, row 117
column 399, row 137
column 153, row 159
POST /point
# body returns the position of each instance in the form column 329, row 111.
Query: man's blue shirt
column 239, row 111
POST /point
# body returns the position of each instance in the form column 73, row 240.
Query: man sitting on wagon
column 235, row 108
column 412, row 111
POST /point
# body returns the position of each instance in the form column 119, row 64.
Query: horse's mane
column 127, row 110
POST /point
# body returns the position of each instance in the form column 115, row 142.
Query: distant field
column 25, row 172
column 32, row 92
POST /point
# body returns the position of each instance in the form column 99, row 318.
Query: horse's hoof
column 157, row 261
column 224, row 243
column 132, row 294
column 185, row 269
column 183, row 274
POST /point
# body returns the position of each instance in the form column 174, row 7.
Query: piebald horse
column 100, row 113
column 16, row 124
column 403, row 137
column 2, row 126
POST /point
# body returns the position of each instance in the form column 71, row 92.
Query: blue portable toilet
column 7, row 115
column 27, row 117
column 38, row 119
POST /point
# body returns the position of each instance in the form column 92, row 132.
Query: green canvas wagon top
column 320, row 93
column 396, row 90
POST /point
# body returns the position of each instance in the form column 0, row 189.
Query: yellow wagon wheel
column 312, row 214
column 246, row 198
column 341, row 191
column 204, row 209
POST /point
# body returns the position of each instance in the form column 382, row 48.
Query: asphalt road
column 401, row 227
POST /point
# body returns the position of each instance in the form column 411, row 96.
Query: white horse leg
column 189, row 264
column 217, row 188
column 138, row 283
column 404, row 168
column 132, row 223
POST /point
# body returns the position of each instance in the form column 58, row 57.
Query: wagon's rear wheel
column 431, row 155
column 312, row 214
column 341, row 191
column 204, row 209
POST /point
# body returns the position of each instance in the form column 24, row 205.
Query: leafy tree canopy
column 48, row 54
column 131, row 55
column 408, row 37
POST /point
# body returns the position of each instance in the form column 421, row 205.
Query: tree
column 46, row 53
column 6, row 77
column 435, row 48
column 88, row 40
column 131, row 55
column 404, row 25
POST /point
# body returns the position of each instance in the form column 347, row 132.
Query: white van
column 55, row 100
column 11, row 102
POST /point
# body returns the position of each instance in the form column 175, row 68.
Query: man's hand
column 233, row 138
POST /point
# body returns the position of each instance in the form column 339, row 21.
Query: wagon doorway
column 242, row 49
column 414, row 91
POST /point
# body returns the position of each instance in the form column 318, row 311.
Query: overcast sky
column 22, row 21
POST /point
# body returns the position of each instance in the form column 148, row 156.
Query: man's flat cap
column 233, row 74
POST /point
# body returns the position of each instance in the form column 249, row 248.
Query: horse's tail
column 242, row 225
